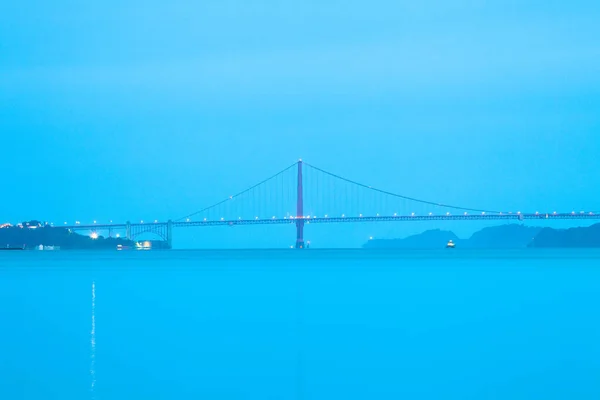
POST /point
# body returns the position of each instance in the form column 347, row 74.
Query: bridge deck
column 344, row 219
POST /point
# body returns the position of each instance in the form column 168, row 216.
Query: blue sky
column 150, row 110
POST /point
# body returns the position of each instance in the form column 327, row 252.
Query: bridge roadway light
column 94, row 221
column 118, row 235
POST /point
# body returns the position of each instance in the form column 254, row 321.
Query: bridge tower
column 170, row 234
column 128, row 230
column 299, row 211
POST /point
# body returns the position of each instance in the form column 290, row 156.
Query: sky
column 131, row 110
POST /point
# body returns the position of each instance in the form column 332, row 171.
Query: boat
column 450, row 244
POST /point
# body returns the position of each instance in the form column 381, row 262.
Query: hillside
column 33, row 234
column 510, row 236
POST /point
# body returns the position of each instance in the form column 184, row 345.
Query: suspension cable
column 237, row 194
column 398, row 195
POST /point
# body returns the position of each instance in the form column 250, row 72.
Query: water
column 300, row 325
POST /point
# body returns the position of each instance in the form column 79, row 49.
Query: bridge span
column 327, row 192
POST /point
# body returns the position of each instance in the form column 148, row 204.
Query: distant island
column 511, row 236
column 33, row 234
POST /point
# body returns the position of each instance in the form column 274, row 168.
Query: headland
column 510, row 236
column 34, row 234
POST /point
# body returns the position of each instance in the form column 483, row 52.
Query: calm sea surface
column 339, row 324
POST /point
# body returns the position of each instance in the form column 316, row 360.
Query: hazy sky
column 150, row 110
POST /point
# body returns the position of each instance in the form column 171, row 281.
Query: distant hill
column 511, row 236
column 33, row 233
column 573, row 237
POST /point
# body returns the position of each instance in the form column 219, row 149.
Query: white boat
column 450, row 244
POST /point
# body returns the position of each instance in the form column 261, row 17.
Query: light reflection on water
column 93, row 343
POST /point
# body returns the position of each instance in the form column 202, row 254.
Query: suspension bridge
column 303, row 194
